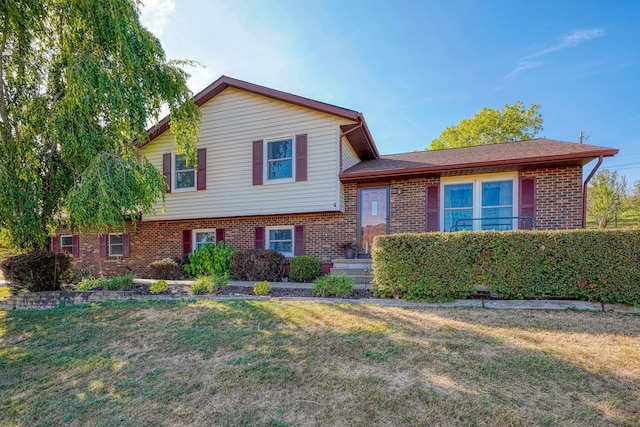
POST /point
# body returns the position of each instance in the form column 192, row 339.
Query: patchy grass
column 279, row 363
column 625, row 220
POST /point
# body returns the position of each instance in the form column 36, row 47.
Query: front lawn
column 283, row 363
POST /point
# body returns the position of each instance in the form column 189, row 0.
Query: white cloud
column 155, row 14
column 523, row 66
column 568, row 41
column 571, row 40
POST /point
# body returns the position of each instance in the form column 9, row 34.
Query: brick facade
column 558, row 206
column 558, row 197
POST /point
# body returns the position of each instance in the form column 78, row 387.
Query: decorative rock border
column 48, row 300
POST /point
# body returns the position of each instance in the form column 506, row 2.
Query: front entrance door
column 373, row 219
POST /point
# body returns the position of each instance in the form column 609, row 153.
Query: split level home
column 280, row 171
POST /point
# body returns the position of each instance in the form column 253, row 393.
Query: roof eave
column 224, row 82
column 584, row 158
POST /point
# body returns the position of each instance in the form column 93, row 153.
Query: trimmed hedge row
column 591, row 265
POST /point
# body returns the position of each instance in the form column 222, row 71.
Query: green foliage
column 606, row 196
column 119, row 283
column 212, row 259
column 305, row 268
column 91, row 283
column 37, row 271
column 339, row 286
column 79, row 81
column 262, row 288
column 257, row 264
column 159, row 287
column 489, row 126
column 209, row 284
column 167, row 269
column 116, row 283
column 591, row 265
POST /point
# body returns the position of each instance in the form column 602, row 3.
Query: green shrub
column 119, row 283
column 90, row 283
column 305, row 268
column 212, row 259
column 591, row 265
column 262, row 288
column 166, row 269
column 159, row 287
column 37, row 271
column 209, row 284
column 339, row 286
column 257, row 264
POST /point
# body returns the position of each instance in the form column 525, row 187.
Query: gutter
column 584, row 191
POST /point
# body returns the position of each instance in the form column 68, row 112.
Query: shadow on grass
column 287, row 363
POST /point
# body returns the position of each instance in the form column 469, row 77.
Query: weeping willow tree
column 80, row 80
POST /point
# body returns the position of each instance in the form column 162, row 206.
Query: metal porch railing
column 523, row 221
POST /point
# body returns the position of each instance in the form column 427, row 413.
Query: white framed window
column 203, row 237
column 280, row 239
column 474, row 203
column 184, row 176
column 66, row 244
column 279, row 158
column 115, row 245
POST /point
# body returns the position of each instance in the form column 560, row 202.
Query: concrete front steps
column 357, row 269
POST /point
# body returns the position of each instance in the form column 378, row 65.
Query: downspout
column 584, row 191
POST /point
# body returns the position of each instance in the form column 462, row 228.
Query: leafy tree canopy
column 489, row 126
column 606, row 197
column 79, row 81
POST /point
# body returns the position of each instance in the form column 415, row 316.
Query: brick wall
column 558, row 197
column 558, row 206
column 152, row 241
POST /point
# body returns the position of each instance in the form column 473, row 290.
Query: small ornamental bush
column 262, row 288
column 119, row 283
column 209, row 284
column 257, row 264
column 338, row 286
column 37, row 271
column 159, row 287
column 305, row 268
column 166, row 269
column 88, row 284
column 210, row 259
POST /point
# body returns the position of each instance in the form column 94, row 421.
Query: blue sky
column 415, row 67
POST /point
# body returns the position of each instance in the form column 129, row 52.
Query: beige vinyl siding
column 231, row 121
column 349, row 156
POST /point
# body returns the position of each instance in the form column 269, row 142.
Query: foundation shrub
column 119, row 283
column 305, row 268
column 257, row 264
column 333, row 286
column 209, row 284
column 262, row 288
column 37, row 271
column 591, row 265
column 166, row 269
column 91, row 283
column 212, row 259
column 159, row 287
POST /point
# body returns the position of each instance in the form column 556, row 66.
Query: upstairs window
column 185, row 176
column 279, row 159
